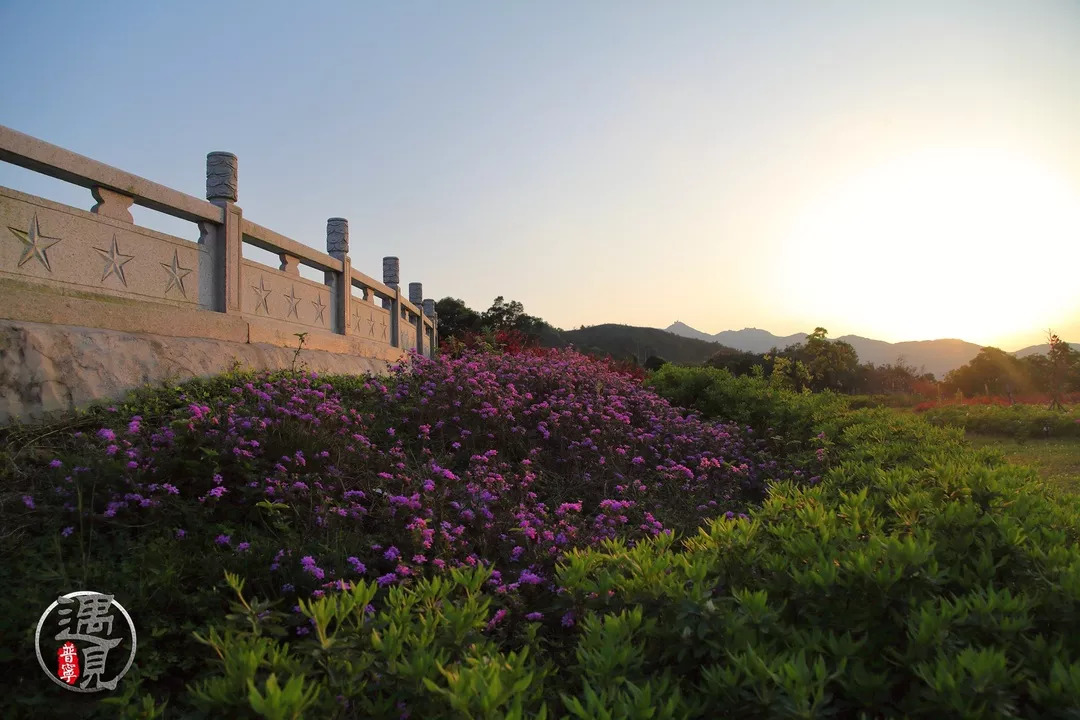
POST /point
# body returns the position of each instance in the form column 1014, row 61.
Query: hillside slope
column 624, row 341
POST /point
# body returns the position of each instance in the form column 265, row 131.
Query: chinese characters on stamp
column 83, row 628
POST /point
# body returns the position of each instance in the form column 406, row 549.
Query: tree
column 832, row 364
column 993, row 371
column 456, row 319
column 789, row 374
column 504, row 315
column 737, row 362
column 654, row 362
column 1059, row 366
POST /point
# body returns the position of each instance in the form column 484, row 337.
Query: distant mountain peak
column 936, row 356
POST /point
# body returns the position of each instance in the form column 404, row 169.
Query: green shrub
column 1019, row 421
column 745, row 400
column 918, row 578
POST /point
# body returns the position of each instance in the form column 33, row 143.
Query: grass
column 1057, row 459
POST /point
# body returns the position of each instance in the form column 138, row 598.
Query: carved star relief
column 371, row 323
column 384, row 328
column 264, row 293
column 176, row 274
column 356, row 315
column 114, row 261
column 320, row 308
column 36, row 244
column 293, row 301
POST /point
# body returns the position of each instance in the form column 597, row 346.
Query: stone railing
column 103, row 255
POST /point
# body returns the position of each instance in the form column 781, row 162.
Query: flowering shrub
column 307, row 485
column 517, row 535
column 920, row 578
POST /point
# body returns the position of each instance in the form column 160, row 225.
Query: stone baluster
column 226, row 238
column 112, row 204
column 289, row 263
column 337, row 247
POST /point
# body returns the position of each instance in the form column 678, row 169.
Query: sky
column 896, row 170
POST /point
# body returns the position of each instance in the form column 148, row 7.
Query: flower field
column 538, row 534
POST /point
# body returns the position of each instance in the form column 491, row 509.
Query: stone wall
column 46, row 369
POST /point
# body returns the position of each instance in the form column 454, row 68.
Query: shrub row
column 1019, row 421
column 920, row 579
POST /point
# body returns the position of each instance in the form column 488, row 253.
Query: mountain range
column 936, row 356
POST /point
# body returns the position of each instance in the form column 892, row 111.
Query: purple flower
column 106, row 434
column 497, row 618
column 222, row 539
column 55, row 464
column 568, row 619
column 310, row 566
column 530, row 578
column 28, row 501
column 180, row 532
column 242, row 547
column 387, row 579
column 534, row 616
column 67, row 531
column 357, row 566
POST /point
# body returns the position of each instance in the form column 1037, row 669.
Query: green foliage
column 425, row 652
column 736, row 362
column 991, row 372
column 747, row 400
column 654, row 362
column 833, row 364
column 789, row 374
column 1018, row 421
column 918, row 578
column 456, row 319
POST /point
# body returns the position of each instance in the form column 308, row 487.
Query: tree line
column 818, row 363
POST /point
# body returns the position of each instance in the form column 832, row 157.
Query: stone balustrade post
column 416, row 297
column 391, row 269
column 337, row 247
column 227, row 238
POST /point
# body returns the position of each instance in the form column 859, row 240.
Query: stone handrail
column 266, row 239
column 53, row 245
column 20, row 149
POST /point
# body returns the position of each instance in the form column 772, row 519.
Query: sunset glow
column 964, row 243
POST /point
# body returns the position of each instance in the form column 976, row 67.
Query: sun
column 972, row 243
